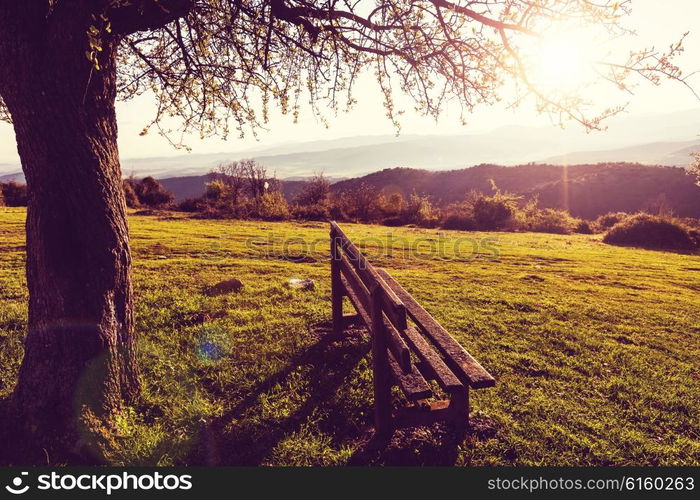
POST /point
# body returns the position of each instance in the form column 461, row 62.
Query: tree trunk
column 79, row 352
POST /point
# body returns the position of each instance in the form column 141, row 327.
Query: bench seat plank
column 410, row 381
column 438, row 369
column 457, row 358
column 412, row 384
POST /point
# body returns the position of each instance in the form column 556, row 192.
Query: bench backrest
column 415, row 353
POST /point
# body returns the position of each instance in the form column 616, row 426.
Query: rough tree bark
column 80, row 349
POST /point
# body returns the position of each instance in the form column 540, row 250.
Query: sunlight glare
column 563, row 62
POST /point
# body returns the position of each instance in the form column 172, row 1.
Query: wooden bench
column 409, row 347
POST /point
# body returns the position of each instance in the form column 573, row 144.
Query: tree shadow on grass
column 247, row 433
column 335, row 399
column 16, row 447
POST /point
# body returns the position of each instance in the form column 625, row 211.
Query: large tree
column 218, row 64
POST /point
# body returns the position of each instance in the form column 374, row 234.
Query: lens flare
column 563, row 62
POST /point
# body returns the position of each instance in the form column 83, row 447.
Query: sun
column 562, row 62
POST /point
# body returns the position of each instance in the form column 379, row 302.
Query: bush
column 583, row 227
column 361, row 203
column 315, row 191
column 393, row 221
column 420, row 211
column 550, row 220
column 695, row 236
column 152, row 193
column 317, row 212
column 272, row 206
column 337, row 209
column 132, row 199
column 14, row 194
column 459, row 222
column 148, row 192
column 493, row 212
column 393, row 205
column 480, row 212
column 2, row 199
column 216, row 191
column 605, row 222
column 193, row 205
column 650, row 231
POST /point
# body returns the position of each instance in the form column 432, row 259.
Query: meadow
column 596, row 348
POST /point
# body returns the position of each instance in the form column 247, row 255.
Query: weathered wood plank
column 354, row 282
column 412, row 384
column 438, row 369
column 381, row 371
column 456, row 357
column 336, row 288
column 362, row 311
column 394, row 309
column 359, row 294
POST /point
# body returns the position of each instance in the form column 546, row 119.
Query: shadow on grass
column 249, row 433
column 434, row 445
column 321, row 387
column 16, row 447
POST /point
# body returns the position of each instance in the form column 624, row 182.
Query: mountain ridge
column 639, row 139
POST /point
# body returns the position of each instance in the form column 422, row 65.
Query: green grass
column 596, row 349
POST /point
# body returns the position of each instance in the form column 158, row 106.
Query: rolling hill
column 653, row 153
column 586, row 190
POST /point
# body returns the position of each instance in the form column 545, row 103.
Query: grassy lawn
column 596, row 348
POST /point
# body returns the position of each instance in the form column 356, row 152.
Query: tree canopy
column 218, row 65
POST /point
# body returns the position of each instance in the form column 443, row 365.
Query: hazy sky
column 657, row 23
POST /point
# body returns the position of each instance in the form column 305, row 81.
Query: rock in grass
column 302, row 284
column 227, row 286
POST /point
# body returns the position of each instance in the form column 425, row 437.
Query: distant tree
column 233, row 176
column 256, row 178
column 660, row 205
column 493, row 212
column 14, row 193
column 152, row 193
column 362, row 202
column 130, row 196
column 420, row 211
column 393, row 204
column 217, row 65
column 315, row 191
column 216, row 191
column 695, row 166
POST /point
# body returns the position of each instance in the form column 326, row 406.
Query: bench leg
column 337, row 291
column 459, row 405
column 381, row 378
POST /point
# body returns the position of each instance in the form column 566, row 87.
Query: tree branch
column 142, row 15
